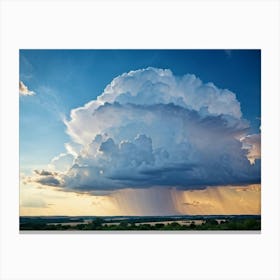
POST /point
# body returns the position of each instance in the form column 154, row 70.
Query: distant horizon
column 149, row 215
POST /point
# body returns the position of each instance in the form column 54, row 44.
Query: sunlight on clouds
column 61, row 163
column 149, row 128
column 252, row 143
column 148, row 132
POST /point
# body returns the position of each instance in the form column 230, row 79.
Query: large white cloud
column 148, row 87
column 151, row 128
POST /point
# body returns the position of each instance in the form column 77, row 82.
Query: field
column 141, row 223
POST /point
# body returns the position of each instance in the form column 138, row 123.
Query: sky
column 139, row 132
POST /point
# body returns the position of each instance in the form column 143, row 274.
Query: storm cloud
column 150, row 128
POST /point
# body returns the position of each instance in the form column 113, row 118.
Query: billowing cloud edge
column 148, row 128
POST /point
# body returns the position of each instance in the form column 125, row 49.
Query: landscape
column 147, row 223
column 140, row 140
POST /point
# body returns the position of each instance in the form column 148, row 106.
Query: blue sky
column 89, row 71
column 67, row 79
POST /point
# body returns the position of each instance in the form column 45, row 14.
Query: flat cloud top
column 151, row 128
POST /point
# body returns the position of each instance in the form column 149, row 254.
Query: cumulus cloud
column 252, row 143
column 151, row 128
column 61, row 162
column 44, row 177
column 150, row 87
column 24, row 91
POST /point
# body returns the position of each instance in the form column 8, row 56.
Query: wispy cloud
column 50, row 100
column 24, row 91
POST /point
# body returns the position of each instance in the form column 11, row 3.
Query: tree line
column 100, row 224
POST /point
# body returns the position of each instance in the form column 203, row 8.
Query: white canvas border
column 155, row 24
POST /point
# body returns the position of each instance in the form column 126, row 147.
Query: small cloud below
column 24, row 91
column 44, row 177
column 194, row 203
column 44, row 172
